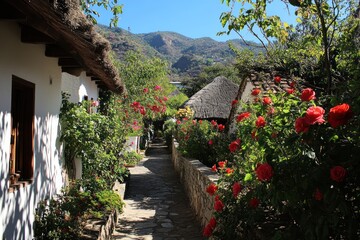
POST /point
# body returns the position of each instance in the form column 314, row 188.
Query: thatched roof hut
column 213, row 102
column 68, row 36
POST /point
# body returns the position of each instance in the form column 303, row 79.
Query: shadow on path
column 156, row 204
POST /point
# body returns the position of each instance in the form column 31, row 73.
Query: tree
column 88, row 7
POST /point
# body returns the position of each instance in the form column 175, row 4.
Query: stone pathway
column 156, row 205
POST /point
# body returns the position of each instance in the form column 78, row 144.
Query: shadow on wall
column 18, row 208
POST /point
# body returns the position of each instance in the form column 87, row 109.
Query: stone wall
column 195, row 177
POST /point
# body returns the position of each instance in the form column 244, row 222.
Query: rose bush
column 294, row 174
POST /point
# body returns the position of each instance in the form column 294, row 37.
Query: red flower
column 210, row 142
column 234, row 102
column 211, row 189
column 314, row 115
column 218, row 205
column 271, row 111
column 157, row 87
column 307, row 95
column 214, row 168
column 264, row 172
column 214, row 123
column 339, row 115
column 242, row 116
column 221, row 127
column 256, row 91
column 229, row 171
column 236, row 189
column 290, row 90
column 267, row 100
column 209, row 228
column 142, row 110
column 178, row 122
column 194, row 122
column 277, row 79
column 260, row 122
column 292, row 84
column 301, row 125
column 165, row 98
column 145, row 90
column 318, row 195
column 337, row 173
column 235, row 145
column 222, row 164
column 254, row 203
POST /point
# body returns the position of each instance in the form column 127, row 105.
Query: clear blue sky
column 192, row 18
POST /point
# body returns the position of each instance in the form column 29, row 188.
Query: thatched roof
column 214, row 100
column 67, row 34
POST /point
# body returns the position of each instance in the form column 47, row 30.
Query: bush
column 295, row 172
column 131, row 158
column 203, row 140
column 63, row 217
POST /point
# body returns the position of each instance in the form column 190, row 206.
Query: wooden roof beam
column 53, row 50
column 68, row 62
column 31, row 35
column 73, row 70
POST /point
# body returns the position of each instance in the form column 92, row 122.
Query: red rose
column 267, row 100
column 290, row 90
column 157, row 87
column 339, row 115
column 307, row 94
column 318, row 195
column 218, row 205
column 254, row 203
column 145, row 90
column 222, row 164
column 211, row 142
column 235, row 145
column 211, row 189
column 221, row 127
column 301, row 125
column 242, row 116
column 214, row 123
column 234, row 102
column 214, row 168
column 264, row 172
column 209, row 228
column 255, row 91
column 260, row 122
column 229, row 171
column 236, row 189
column 337, row 173
column 277, row 79
column 314, row 115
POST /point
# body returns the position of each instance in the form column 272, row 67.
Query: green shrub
column 131, row 158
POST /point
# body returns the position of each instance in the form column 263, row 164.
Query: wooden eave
column 41, row 24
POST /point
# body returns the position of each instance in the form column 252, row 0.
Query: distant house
column 44, row 49
column 213, row 102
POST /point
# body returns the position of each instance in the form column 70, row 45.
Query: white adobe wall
column 78, row 87
column 28, row 62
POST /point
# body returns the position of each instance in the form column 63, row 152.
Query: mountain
column 185, row 55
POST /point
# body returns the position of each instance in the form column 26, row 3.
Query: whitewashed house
column 44, row 49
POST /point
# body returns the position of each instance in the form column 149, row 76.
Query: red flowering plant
column 295, row 171
column 202, row 140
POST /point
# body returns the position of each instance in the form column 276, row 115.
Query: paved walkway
column 156, row 204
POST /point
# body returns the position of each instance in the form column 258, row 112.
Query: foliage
column 169, row 130
column 295, row 174
column 63, row 217
column 202, row 140
column 131, row 157
column 95, row 138
column 89, row 8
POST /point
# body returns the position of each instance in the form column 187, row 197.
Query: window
column 22, row 132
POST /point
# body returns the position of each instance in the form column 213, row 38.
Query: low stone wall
column 195, row 177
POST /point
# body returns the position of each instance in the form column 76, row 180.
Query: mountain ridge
column 186, row 55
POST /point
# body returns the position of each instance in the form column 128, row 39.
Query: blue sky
column 192, row 18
